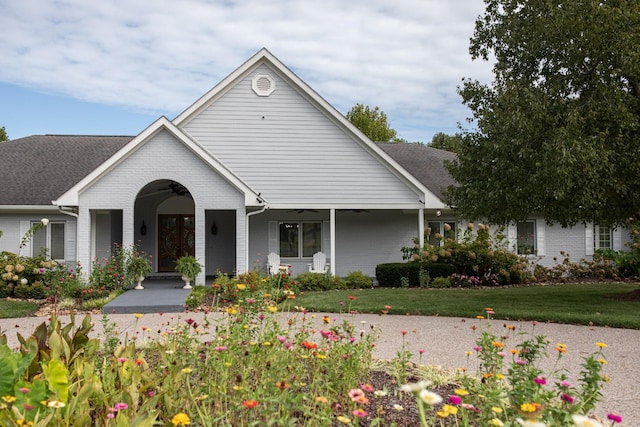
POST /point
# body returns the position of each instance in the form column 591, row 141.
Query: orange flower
column 309, row 345
column 351, row 297
column 250, row 404
column 282, row 385
column 497, row 344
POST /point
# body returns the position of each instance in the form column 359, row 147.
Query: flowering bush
column 474, row 253
column 510, row 388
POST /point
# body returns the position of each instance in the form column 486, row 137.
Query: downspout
column 246, row 238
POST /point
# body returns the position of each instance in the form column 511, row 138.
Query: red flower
column 250, row 404
column 351, row 297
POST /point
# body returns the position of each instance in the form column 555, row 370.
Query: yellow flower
column 24, row 423
column 231, row 311
column 137, row 315
column 321, row 356
column 187, row 370
column 500, row 376
column 530, row 407
column 272, row 308
column 241, row 286
column 461, row 392
column 266, row 344
column 601, row 345
column 496, row 422
column 343, row 419
column 496, row 409
column 602, row 361
column 180, row 419
column 9, row 399
column 326, row 319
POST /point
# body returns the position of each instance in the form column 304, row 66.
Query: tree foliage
column 373, row 123
column 558, row 130
column 446, row 142
column 3, row 134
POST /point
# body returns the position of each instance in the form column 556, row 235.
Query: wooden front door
column 176, row 237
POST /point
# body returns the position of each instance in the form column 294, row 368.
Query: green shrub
column 319, row 282
column 358, row 280
column 440, row 282
column 196, row 296
column 6, row 289
column 392, row 275
column 34, row 291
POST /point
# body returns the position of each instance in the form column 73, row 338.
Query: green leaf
column 57, row 377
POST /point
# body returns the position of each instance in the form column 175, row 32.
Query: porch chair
column 319, row 263
column 273, row 263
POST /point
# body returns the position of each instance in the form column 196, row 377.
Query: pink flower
column 421, row 351
column 565, row 383
column 567, row 398
column 367, row 387
column 120, row 406
column 122, row 359
column 521, row 362
column 220, row 348
column 355, row 394
column 455, row 400
column 540, row 380
column 360, row 413
column 282, row 338
column 615, row 418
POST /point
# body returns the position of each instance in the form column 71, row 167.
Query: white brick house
column 261, row 163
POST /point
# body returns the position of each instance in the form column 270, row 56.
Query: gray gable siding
column 287, row 149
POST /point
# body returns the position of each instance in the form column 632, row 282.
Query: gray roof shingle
column 425, row 163
column 38, row 169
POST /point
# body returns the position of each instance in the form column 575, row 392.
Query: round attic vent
column 263, row 85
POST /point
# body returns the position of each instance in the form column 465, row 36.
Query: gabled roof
column 264, row 57
column 70, row 198
column 423, row 162
column 38, row 169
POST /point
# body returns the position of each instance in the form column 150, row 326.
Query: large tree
column 558, row 130
column 446, row 142
column 373, row 123
column 3, row 134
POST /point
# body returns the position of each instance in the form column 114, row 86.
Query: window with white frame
column 602, row 236
column 49, row 240
column 526, row 237
column 441, row 228
column 300, row 239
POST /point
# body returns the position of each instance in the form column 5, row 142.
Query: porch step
column 158, row 296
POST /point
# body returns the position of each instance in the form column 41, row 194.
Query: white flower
column 24, row 281
column 530, row 423
column 584, row 421
column 414, row 387
column 430, row 398
column 45, row 221
column 380, row 393
column 398, row 408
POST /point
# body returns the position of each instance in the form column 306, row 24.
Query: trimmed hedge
column 391, row 274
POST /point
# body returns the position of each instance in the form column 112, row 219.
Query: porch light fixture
column 143, row 228
column 214, row 229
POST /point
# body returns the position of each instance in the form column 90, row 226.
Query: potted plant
column 189, row 267
column 138, row 267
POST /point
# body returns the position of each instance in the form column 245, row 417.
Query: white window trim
column 300, row 239
column 47, row 230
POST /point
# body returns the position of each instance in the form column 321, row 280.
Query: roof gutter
column 246, row 237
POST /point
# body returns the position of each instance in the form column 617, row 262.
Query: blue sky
column 113, row 67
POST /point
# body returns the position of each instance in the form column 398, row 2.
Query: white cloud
column 406, row 56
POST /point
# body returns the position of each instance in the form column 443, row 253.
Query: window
column 49, row 240
column 440, row 227
column 602, row 236
column 526, row 232
column 300, row 239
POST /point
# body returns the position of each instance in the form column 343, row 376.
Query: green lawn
column 14, row 308
column 566, row 303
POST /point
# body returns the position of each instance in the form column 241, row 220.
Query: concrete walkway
column 158, row 296
column 444, row 340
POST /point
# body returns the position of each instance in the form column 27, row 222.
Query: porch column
column 128, row 235
column 421, row 227
column 85, row 245
column 200, row 251
column 332, row 236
